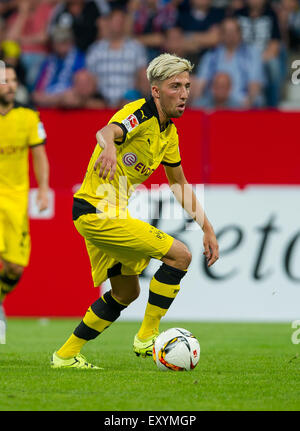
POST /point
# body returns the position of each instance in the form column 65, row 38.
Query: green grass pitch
column 243, row 366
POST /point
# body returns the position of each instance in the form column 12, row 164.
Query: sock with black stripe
column 7, row 284
column 99, row 316
column 164, row 287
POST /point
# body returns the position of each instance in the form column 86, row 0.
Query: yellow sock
column 7, row 284
column 99, row 316
column 95, row 322
column 71, row 347
column 161, row 296
column 151, row 321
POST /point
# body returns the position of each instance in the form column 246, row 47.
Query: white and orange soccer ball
column 176, row 349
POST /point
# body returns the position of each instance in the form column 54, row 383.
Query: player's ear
column 155, row 91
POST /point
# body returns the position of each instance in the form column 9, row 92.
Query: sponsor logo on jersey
column 129, row 159
column 11, row 149
column 130, row 122
column 143, row 169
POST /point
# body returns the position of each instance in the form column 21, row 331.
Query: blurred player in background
column 136, row 141
column 20, row 129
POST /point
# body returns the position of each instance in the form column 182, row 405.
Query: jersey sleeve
column 129, row 119
column 37, row 134
column 172, row 155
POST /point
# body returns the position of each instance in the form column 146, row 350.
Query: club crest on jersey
column 130, row 122
column 129, row 159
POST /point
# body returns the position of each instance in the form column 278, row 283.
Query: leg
column 101, row 314
column 14, row 249
column 178, row 256
column 120, row 248
column 164, row 287
column 9, row 277
column 125, row 288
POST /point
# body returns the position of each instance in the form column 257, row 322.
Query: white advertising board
column 257, row 277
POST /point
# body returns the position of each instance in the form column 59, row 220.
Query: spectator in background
column 200, row 26
column 260, row 28
column 57, row 72
column 288, row 12
column 240, row 61
column 7, row 7
column 2, row 29
column 28, row 27
column 83, row 93
column 220, row 96
column 84, row 17
column 174, row 42
column 233, row 6
column 149, row 21
column 119, row 63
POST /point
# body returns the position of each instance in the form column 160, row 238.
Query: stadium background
column 248, row 161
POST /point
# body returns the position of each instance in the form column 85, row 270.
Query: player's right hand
column 108, row 162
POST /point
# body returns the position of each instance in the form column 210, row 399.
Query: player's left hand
column 211, row 247
column 42, row 199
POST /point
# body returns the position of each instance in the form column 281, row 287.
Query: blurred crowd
column 94, row 53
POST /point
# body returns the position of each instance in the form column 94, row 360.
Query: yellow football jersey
column 144, row 147
column 20, row 129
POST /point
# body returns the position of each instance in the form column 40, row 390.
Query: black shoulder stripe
column 144, row 113
column 173, row 165
column 124, row 132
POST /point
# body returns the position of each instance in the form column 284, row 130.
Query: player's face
column 173, row 94
column 8, row 90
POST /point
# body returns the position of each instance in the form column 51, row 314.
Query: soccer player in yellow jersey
column 138, row 138
column 20, row 129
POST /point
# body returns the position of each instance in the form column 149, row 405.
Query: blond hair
column 167, row 65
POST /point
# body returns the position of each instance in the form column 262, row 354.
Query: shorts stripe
column 115, row 270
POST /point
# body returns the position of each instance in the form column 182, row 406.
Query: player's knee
column 14, row 271
column 179, row 256
column 186, row 257
column 183, row 257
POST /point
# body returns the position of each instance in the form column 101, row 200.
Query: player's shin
column 164, row 287
column 99, row 316
column 7, row 284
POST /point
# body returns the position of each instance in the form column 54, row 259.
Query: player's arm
column 106, row 138
column 41, row 171
column 185, row 195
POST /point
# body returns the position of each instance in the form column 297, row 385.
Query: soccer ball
column 176, row 349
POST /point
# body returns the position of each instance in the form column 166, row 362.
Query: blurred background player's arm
column 185, row 195
column 41, row 171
